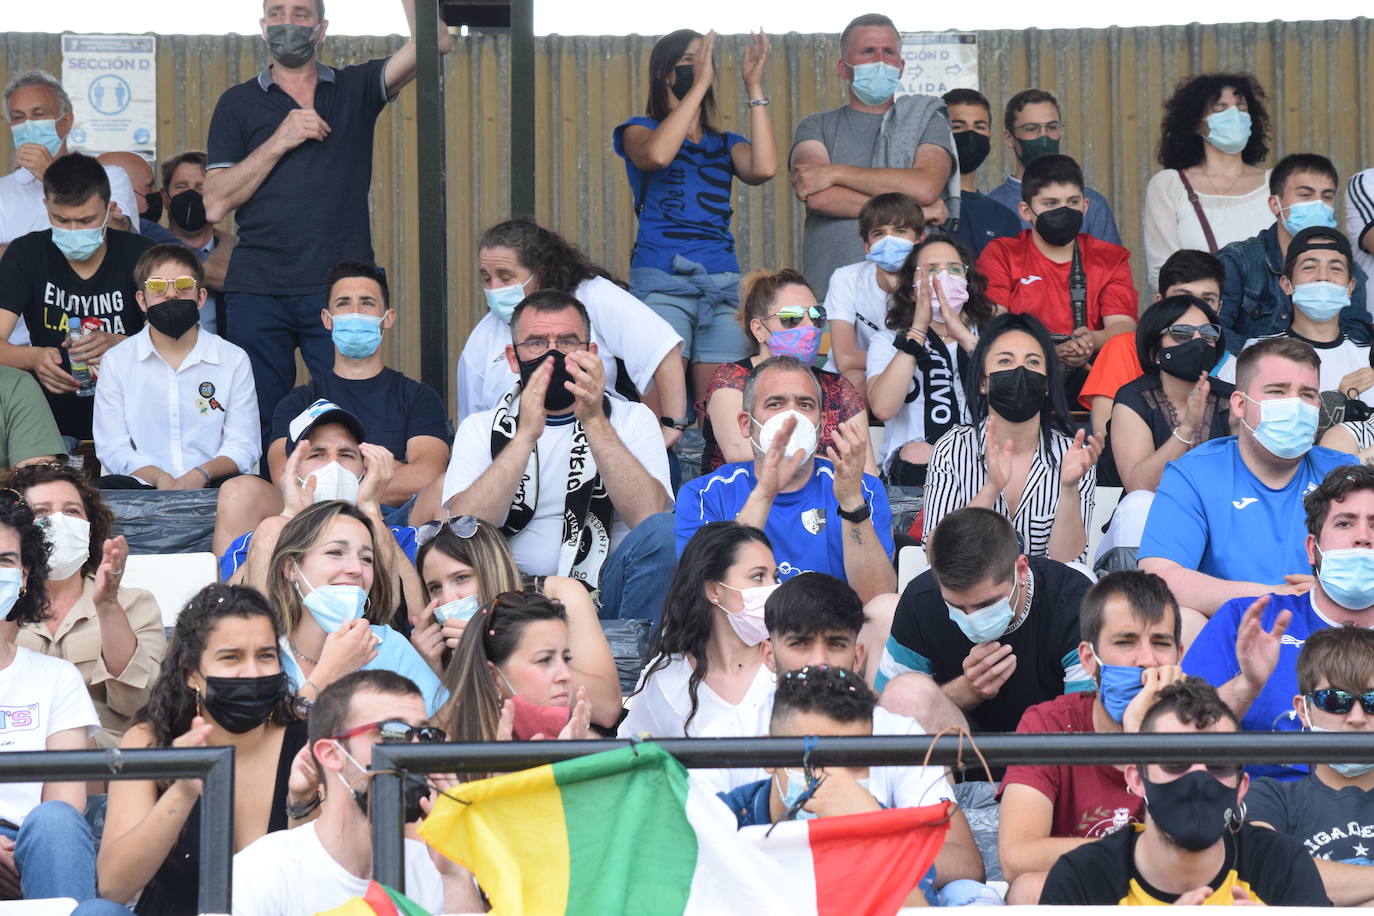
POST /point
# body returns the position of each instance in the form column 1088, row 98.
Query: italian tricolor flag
column 620, row 832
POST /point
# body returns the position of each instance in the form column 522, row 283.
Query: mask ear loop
column 813, row 783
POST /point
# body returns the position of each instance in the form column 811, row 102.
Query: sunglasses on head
column 1341, row 701
column 789, row 316
column 464, row 526
column 395, row 731
column 1182, row 333
column 1216, row 770
column 159, row 285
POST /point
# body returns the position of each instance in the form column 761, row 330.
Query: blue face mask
column 890, row 252
column 1321, row 300
column 791, row 787
column 1307, row 214
column 80, row 244
column 503, row 300
column 332, row 606
column 1347, row 576
column 1229, row 130
column 1287, row 426
column 984, row 624
column 11, row 584
column 874, row 83
column 459, row 609
column 1117, row 686
column 357, row 336
column 1350, row 770
column 44, row 133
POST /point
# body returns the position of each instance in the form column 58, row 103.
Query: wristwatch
column 860, row 514
column 670, row 423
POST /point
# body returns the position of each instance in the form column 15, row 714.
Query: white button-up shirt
column 147, row 413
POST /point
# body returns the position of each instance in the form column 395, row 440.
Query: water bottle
column 80, row 371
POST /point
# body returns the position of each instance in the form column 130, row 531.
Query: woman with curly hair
column 1211, row 191
column 221, row 685
column 641, row 352
column 112, row 634
column 915, row 380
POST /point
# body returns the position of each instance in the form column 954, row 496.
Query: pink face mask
column 748, row 622
column 531, row 720
column 955, row 290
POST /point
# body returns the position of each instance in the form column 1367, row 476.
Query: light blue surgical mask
column 1307, row 214
column 874, row 83
column 1347, row 576
column 1117, row 686
column 890, row 252
column 1321, row 300
column 332, row 606
column 43, row 132
column 1229, row 130
column 458, row 609
column 984, row 624
column 1287, row 426
column 357, row 336
column 80, row 244
column 11, row 584
column 791, row 788
column 503, row 300
column 1350, row 769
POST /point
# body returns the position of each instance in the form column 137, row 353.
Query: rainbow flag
column 620, row 832
column 379, row 900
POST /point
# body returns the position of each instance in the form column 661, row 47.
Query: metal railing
column 214, row 766
column 1000, row 750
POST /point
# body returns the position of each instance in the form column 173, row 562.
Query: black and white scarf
column 936, row 378
column 587, row 509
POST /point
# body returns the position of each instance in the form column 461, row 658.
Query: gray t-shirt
column 851, row 138
column 1332, row 824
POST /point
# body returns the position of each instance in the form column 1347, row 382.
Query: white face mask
column 803, row 436
column 334, row 481
column 69, row 544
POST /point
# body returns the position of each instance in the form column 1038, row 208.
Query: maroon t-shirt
column 1089, row 801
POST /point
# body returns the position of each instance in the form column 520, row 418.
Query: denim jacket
column 1253, row 305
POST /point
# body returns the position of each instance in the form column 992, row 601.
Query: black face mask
column 291, row 45
column 556, row 398
column 1059, row 226
column 414, row 789
column 683, row 77
column 241, row 704
column 1193, row 810
column 187, row 210
column 152, row 210
column 973, row 148
column 174, row 317
column 1017, row 394
column 1187, row 361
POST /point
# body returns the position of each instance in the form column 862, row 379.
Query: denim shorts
column 722, row 340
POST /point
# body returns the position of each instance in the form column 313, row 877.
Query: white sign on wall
column 937, row 62
column 112, row 80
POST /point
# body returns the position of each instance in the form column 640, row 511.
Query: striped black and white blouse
column 957, row 473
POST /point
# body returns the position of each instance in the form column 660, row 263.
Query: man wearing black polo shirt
column 996, row 630
column 400, row 414
column 79, row 270
column 291, row 149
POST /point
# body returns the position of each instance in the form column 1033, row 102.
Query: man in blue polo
column 291, row 150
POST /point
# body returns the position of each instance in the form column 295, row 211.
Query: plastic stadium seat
column 172, row 578
column 911, row 562
column 1104, row 505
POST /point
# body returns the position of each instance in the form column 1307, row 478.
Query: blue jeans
column 270, row 328
column 54, row 853
column 635, row 577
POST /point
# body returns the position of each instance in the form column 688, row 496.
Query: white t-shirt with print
column 622, row 326
column 855, row 296
column 536, row 548
column 40, row 695
column 1338, row 359
column 290, row 873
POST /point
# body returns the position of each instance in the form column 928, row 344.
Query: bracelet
column 910, row 346
column 758, row 103
column 296, row 812
column 1186, row 443
column 204, row 473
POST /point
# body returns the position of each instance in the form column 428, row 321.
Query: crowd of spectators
column 391, row 572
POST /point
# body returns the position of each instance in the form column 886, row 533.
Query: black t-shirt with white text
column 37, row 282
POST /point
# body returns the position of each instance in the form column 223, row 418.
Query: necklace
column 1213, row 182
column 301, row 655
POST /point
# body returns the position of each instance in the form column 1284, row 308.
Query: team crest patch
column 206, row 402
column 813, row 520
